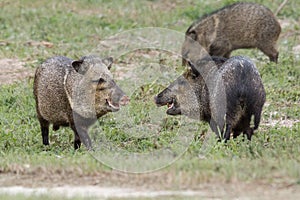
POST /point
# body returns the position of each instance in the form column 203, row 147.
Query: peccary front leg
column 220, row 132
column 220, row 48
column 236, row 133
column 81, row 135
column 248, row 132
column 214, row 127
column 227, row 132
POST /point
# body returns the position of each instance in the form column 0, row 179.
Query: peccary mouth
column 171, row 104
column 112, row 106
column 173, row 107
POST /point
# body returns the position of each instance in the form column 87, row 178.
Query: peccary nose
column 124, row 100
column 157, row 100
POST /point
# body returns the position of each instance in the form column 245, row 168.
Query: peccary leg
column 55, row 127
column 248, row 132
column 45, row 131
column 214, row 127
column 220, row 131
column 227, row 55
column 77, row 142
column 236, row 134
column 257, row 117
column 219, row 48
column 81, row 135
column 227, row 132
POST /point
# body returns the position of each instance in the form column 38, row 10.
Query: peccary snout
column 124, row 100
column 116, row 98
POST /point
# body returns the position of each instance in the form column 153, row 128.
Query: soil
column 12, row 70
column 114, row 184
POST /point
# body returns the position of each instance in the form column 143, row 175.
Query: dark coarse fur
column 75, row 93
column 229, row 95
column 240, row 25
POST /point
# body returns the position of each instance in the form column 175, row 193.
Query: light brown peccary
column 75, row 93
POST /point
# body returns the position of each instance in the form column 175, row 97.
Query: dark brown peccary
column 75, row 93
column 228, row 94
column 237, row 26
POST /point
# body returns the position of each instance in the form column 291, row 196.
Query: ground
column 145, row 185
column 266, row 168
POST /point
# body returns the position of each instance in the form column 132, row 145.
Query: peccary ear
column 76, row 64
column 193, row 35
column 108, row 62
column 194, row 69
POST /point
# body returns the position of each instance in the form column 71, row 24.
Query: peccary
column 240, row 25
column 75, row 93
column 229, row 94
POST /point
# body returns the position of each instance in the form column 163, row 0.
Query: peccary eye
column 194, row 76
column 99, row 81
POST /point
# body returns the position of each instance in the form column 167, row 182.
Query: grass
column 76, row 27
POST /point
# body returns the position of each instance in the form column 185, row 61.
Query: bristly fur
column 69, row 93
column 227, row 96
column 236, row 26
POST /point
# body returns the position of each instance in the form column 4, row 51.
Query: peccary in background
column 240, row 25
column 75, row 93
column 228, row 96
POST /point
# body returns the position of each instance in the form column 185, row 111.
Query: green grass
column 76, row 27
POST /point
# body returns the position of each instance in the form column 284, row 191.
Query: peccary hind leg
column 220, row 48
column 45, row 130
column 81, row 135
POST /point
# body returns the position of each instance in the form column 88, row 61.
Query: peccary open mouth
column 173, row 107
column 112, row 105
column 172, row 104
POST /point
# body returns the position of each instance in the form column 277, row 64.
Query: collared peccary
column 240, row 25
column 229, row 94
column 75, row 93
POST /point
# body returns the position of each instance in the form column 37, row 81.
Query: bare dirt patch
column 111, row 184
column 12, row 70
